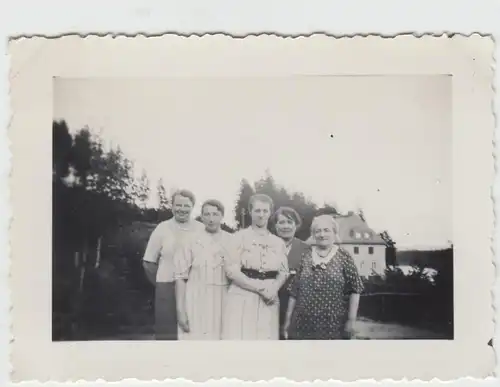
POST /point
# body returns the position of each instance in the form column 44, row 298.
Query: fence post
column 98, row 254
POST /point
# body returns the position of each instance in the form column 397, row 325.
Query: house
column 365, row 245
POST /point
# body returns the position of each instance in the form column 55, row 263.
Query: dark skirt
column 165, row 311
column 284, row 297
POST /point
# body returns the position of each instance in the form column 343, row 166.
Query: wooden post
column 98, row 253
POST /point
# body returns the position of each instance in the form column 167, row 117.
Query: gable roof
column 354, row 230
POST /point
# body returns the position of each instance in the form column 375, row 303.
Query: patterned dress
column 200, row 263
column 246, row 315
column 322, row 296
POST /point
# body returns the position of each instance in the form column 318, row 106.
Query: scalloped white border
column 34, row 357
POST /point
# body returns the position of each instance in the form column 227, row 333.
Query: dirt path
column 372, row 330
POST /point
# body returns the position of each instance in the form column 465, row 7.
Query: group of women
column 254, row 284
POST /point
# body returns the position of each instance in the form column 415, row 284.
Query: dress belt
column 261, row 275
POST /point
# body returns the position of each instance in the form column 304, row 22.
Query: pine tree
column 163, row 203
column 142, row 190
column 242, row 215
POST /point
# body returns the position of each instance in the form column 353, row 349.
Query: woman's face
column 324, row 234
column 285, row 227
column 182, row 208
column 260, row 213
column 211, row 217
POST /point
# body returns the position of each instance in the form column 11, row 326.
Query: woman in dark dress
column 286, row 222
column 324, row 295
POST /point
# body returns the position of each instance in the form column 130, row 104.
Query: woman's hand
column 286, row 327
column 349, row 328
column 269, row 294
column 183, row 322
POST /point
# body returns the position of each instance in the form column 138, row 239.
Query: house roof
column 354, row 230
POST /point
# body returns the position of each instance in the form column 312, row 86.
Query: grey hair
column 330, row 219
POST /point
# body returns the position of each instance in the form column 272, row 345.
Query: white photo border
column 467, row 59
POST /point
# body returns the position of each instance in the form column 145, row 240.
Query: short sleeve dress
column 246, row 315
column 201, row 264
column 322, row 296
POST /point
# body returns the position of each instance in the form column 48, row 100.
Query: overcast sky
column 390, row 153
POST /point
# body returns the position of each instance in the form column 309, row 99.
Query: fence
column 428, row 310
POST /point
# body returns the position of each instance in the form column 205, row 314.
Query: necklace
column 323, row 254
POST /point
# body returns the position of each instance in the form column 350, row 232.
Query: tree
column 281, row 197
column 390, row 251
column 164, row 209
column 161, row 192
column 242, row 216
column 83, row 149
column 62, row 144
column 142, row 189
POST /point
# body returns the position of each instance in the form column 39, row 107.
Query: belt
column 261, row 275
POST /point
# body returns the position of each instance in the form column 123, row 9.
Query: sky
column 380, row 143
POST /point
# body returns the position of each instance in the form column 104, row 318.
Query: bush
column 417, row 298
column 395, row 280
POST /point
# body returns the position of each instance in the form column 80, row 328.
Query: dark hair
column 215, row 203
column 185, row 193
column 287, row 212
column 260, row 198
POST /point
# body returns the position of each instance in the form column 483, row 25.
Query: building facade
column 365, row 245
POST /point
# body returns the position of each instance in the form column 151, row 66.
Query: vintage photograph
column 265, row 200
column 235, row 209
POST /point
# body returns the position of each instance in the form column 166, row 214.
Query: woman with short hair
column 286, row 222
column 201, row 282
column 324, row 295
column 158, row 261
column 257, row 268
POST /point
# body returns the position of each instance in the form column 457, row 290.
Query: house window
column 367, row 235
column 356, row 250
column 370, row 250
column 358, row 235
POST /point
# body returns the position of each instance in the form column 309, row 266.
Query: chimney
column 350, row 213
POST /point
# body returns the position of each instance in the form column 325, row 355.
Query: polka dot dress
column 322, row 297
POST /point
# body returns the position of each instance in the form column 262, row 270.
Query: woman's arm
column 283, row 271
column 353, row 306
column 240, row 279
column 354, row 289
column 232, row 267
column 180, row 295
column 183, row 259
column 288, row 317
column 152, row 254
column 150, row 268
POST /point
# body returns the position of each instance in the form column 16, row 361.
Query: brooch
column 321, row 266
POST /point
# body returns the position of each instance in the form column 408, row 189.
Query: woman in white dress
column 201, row 282
column 257, row 268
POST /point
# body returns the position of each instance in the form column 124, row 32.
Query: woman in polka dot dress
column 324, row 295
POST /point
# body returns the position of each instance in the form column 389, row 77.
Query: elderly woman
column 201, row 282
column 324, row 295
column 158, row 261
column 257, row 268
column 286, row 222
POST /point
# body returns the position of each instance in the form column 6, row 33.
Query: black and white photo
column 258, row 216
column 310, row 208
